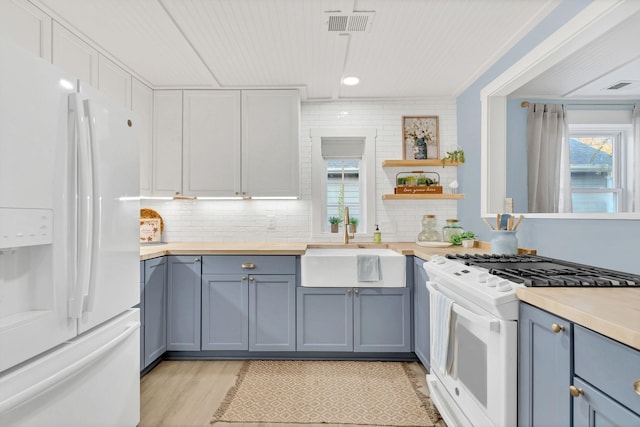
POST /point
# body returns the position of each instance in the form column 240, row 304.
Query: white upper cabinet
column 27, row 26
column 226, row 143
column 167, row 143
column 270, row 140
column 74, row 55
column 142, row 106
column 114, row 82
column 211, row 143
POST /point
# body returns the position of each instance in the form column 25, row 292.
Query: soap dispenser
column 377, row 236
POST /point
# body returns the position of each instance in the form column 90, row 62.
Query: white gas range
column 474, row 313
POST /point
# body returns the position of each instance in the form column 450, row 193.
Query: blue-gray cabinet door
column 544, row 368
column 592, row 408
column 382, row 320
column 324, row 319
column 225, row 307
column 272, row 312
column 141, row 306
column 184, row 304
column 155, row 309
column 421, row 316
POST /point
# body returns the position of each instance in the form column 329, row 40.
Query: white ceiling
column 587, row 73
column 412, row 48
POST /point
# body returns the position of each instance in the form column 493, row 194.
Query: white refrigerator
column 69, row 252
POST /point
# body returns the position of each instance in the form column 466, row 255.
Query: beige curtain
column 547, row 149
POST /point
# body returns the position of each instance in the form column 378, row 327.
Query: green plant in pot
column 466, row 239
column 453, row 156
column 335, row 223
column 422, row 180
column 353, row 225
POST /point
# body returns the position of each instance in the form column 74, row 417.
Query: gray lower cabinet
column 183, row 303
column 595, row 385
column 141, row 307
column 421, row 317
column 155, row 314
column 606, row 381
column 248, row 303
column 544, row 371
column 354, row 319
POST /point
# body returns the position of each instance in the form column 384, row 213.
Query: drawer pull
column 575, row 391
column 636, row 386
column 557, row 328
column 251, row 279
column 348, row 291
column 248, row 265
column 357, row 291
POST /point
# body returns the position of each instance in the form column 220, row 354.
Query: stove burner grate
column 538, row 271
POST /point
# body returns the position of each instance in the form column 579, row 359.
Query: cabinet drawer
column 253, row 264
column 608, row 365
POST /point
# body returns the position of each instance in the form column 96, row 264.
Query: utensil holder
column 504, row 242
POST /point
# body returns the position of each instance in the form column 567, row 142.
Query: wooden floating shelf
column 421, row 196
column 412, row 163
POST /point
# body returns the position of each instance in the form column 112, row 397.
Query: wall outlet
column 271, row 222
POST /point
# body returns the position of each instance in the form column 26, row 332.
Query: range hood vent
column 354, row 22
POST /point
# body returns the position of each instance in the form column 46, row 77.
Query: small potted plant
column 456, row 155
column 335, row 222
column 353, row 225
column 466, row 239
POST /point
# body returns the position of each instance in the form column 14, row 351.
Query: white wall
column 246, row 220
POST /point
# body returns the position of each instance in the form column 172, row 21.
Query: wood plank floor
column 187, row 393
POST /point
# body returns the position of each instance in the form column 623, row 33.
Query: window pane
column 594, row 202
column 591, row 162
column 343, row 188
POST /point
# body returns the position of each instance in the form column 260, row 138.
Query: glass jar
column 451, row 229
column 429, row 232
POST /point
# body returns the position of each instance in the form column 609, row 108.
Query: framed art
column 420, row 137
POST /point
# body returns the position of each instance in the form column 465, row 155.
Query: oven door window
column 470, row 362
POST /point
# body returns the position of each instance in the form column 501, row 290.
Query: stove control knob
column 482, row 277
column 492, row 281
column 503, row 286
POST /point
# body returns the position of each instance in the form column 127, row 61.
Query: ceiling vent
column 618, row 85
column 354, row 22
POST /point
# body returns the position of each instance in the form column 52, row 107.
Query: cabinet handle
column 248, row 265
column 244, row 277
column 251, row 279
column 557, row 328
column 636, row 387
column 356, row 291
column 575, row 391
column 348, row 291
column 196, row 260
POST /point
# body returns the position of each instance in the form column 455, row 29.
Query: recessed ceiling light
column 351, row 81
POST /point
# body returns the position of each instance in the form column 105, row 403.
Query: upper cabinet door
column 142, row 106
column 74, row 56
column 211, row 143
column 27, row 26
column 270, row 139
column 114, row 82
column 167, row 143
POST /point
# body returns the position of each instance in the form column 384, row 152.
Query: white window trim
column 367, row 171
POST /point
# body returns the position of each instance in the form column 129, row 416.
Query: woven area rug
column 335, row 392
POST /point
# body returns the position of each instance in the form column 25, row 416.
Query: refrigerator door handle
column 73, row 369
column 95, row 216
column 87, row 205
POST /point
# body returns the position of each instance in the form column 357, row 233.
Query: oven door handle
column 487, row 322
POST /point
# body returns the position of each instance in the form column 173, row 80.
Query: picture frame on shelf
column 420, row 137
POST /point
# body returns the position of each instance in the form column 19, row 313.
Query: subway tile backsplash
column 246, row 220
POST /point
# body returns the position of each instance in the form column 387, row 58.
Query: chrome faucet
column 346, row 226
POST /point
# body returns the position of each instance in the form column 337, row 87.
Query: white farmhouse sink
column 337, row 267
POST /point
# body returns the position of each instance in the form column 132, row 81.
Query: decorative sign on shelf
column 418, row 182
column 150, row 230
